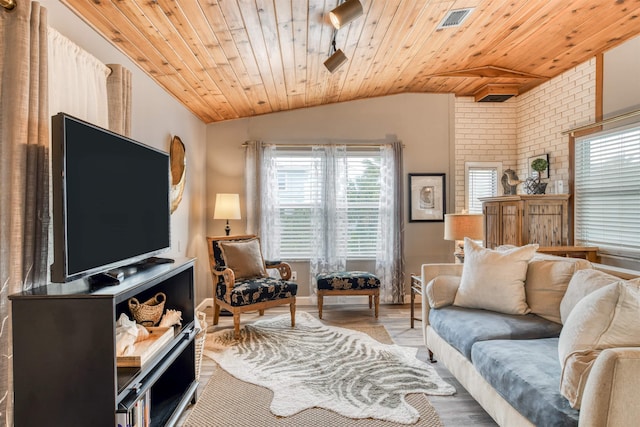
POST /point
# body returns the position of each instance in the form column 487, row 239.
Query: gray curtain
column 119, row 99
column 24, row 170
column 390, row 249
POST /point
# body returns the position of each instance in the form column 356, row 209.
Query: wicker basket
column 200, row 339
column 149, row 312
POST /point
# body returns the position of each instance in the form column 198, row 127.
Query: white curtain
column 24, row 177
column 78, row 81
column 389, row 251
column 328, row 194
column 329, row 230
column 270, row 213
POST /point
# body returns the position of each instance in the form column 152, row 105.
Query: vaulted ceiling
column 225, row 59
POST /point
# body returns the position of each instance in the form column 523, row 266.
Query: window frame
column 608, row 249
column 367, row 152
column 497, row 166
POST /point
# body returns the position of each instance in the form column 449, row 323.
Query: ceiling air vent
column 496, row 93
column 454, row 18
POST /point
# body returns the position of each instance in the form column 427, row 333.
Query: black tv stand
column 80, row 382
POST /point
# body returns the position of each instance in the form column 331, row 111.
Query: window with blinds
column 607, row 191
column 301, row 193
column 481, row 181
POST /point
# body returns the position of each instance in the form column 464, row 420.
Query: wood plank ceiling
column 226, row 59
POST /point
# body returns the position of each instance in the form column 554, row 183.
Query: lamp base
column 227, row 229
column 459, row 252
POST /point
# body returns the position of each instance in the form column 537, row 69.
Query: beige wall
column 156, row 117
column 423, row 122
column 621, row 83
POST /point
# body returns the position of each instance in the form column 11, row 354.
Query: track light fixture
column 345, row 13
column 336, row 60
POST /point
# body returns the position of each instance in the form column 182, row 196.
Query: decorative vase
column 535, row 186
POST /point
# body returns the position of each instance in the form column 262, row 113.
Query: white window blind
column 482, row 181
column 299, row 193
column 607, row 191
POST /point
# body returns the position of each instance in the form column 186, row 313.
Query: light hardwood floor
column 458, row 410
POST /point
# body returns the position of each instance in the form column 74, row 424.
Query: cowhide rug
column 313, row 365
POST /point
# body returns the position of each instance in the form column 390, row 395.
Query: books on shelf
column 139, row 415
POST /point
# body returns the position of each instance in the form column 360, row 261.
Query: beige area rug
column 228, row 401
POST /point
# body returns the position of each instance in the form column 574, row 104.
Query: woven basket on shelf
column 149, row 312
column 200, row 339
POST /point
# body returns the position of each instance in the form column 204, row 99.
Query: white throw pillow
column 547, row 279
column 441, row 290
column 494, row 280
column 606, row 318
column 583, row 283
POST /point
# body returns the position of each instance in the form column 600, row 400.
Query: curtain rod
column 603, row 122
column 8, row 4
column 369, row 145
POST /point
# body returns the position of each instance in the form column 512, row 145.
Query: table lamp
column 461, row 225
column 227, row 207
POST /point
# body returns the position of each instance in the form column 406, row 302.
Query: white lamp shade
column 345, row 13
column 459, row 226
column 227, row 206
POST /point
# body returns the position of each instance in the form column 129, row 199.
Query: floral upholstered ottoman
column 349, row 283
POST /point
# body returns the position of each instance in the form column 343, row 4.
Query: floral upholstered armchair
column 241, row 282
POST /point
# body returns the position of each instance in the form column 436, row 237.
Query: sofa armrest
column 429, row 272
column 610, row 395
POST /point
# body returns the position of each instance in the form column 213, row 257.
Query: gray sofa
column 509, row 362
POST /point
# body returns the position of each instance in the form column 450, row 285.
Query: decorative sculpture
column 178, row 159
column 170, row 318
column 510, row 182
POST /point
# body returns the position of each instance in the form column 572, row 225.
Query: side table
column 416, row 288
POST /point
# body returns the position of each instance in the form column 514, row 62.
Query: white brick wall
column 484, row 132
column 524, row 126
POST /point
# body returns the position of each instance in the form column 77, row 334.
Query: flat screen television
column 110, row 200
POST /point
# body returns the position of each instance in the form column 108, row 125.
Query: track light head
column 335, row 61
column 345, row 13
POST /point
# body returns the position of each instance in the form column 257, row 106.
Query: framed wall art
column 426, row 197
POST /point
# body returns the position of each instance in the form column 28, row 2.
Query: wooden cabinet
column 521, row 219
column 64, row 364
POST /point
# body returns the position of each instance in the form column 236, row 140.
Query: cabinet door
column 545, row 222
column 510, row 213
column 491, row 224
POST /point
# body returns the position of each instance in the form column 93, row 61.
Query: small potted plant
column 534, row 185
